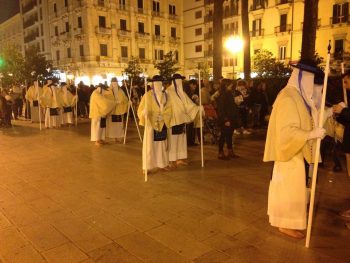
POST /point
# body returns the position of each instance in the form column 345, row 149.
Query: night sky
column 8, row 8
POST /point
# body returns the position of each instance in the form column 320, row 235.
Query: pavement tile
column 113, row 254
column 81, row 234
column 4, row 222
column 179, row 242
column 148, row 249
column 11, row 242
column 26, row 254
column 44, row 206
column 21, row 215
column 44, row 236
column 67, row 253
column 212, row 257
column 109, row 225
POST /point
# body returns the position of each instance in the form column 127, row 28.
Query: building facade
column 34, row 14
column 11, row 33
column 95, row 39
column 275, row 25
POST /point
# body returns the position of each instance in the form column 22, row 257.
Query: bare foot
column 172, row 165
column 292, row 233
column 98, row 143
column 181, row 162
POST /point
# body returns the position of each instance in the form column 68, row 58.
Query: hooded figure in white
column 184, row 111
column 33, row 96
column 291, row 140
column 68, row 102
column 52, row 101
column 100, row 107
column 156, row 108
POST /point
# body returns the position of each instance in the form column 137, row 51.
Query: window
column 67, row 27
column 41, row 14
column 123, row 24
column 80, row 22
column 157, row 30
column 198, row 14
column 256, row 28
column 41, row 29
column 124, row 50
column 173, row 32
column 141, row 27
column 57, row 55
column 283, row 23
column 81, row 50
column 176, row 55
column 172, row 10
column 103, row 50
column 340, row 13
column 338, row 48
column 142, row 53
column 55, row 7
column 158, row 54
column 121, row 2
column 65, row 3
column 156, row 6
column 234, row 28
column 69, row 53
column 102, row 21
column 198, row 31
column 56, row 30
column 198, row 48
column 282, row 52
column 140, row 4
column 42, row 45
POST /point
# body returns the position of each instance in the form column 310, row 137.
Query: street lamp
column 234, row 44
column 70, row 77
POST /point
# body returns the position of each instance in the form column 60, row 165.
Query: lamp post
column 234, row 44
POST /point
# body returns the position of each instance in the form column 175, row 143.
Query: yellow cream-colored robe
column 68, row 100
column 158, row 116
column 288, row 146
column 51, row 99
column 184, row 111
column 100, row 107
column 116, row 129
column 34, row 94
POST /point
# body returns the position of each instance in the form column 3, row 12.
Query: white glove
column 317, row 133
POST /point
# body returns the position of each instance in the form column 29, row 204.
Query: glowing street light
column 70, row 77
column 234, row 45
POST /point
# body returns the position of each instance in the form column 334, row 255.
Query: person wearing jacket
column 227, row 118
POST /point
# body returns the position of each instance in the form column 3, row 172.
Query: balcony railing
column 124, row 33
column 103, row 30
column 142, row 11
column 174, row 40
column 78, row 31
column 122, row 8
column 173, row 17
column 30, row 22
column 158, row 38
column 142, row 35
column 31, row 37
column 123, row 60
column 335, row 20
column 208, row 35
column 208, row 18
column 145, row 61
column 281, row 2
column 257, row 33
column 157, row 14
column 283, row 28
column 28, row 7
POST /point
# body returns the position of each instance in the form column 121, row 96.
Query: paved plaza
column 62, row 199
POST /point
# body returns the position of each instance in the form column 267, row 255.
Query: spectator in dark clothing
column 243, row 107
column 6, row 104
column 259, row 100
column 84, row 93
column 227, row 118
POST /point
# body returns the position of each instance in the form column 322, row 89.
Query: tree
column 12, row 65
column 134, row 70
column 309, row 29
column 246, row 39
column 217, row 38
column 267, row 66
column 36, row 65
column 167, row 67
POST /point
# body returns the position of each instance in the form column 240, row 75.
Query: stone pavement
column 64, row 200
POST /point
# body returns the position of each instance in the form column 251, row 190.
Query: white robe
column 97, row 133
column 115, row 130
column 177, row 146
column 53, row 98
column 31, row 95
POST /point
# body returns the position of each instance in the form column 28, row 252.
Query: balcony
column 31, row 37
column 339, row 20
column 283, row 29
column 53, row 16
column 158, row 38
column 230, row 12
column 30, row 22
column 104, row 31
column 157, row 14
column 145, row 61
column 124, row 33
column 101, row 5
column 122, row 8
column 28, row 7
column 142, row 35
column 257, row 33
column 78, row 32
column 174, row 17
column 208, row 18
column 123, row 60
column 282, row 2
column 174, row 40
column 208, row 53
column 208, row 35
column 142, row 11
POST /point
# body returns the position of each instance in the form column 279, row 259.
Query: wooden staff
column 200, row 116
column 344, row 89
column 145, row 132
column 76, row 106
column 39, row 108
column 133, row 112
column 318, row 144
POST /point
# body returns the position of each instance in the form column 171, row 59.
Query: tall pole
column 145, row 133
column 291, row 32
column 317, row 155
column 200, row 116
column 344, row 88
column 39, row 107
